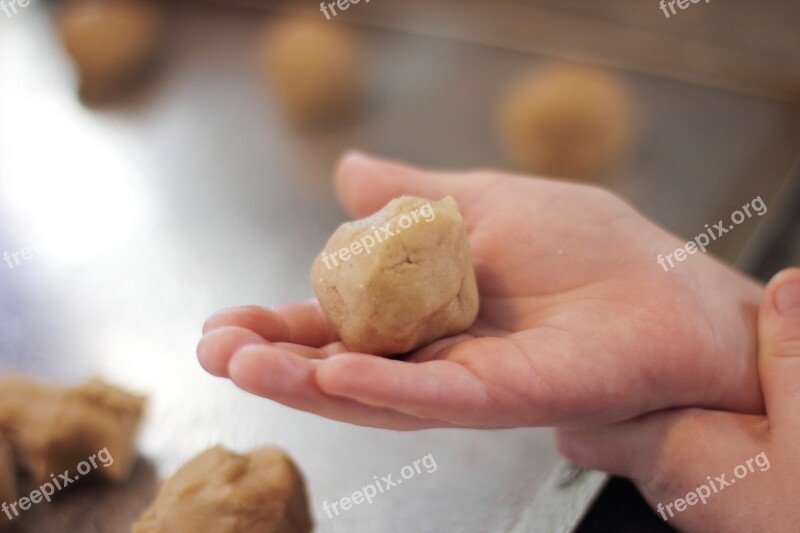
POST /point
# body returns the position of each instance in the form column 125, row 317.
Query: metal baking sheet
column 193, row 195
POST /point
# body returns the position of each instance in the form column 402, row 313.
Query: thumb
column 779, row 351
column 365, row 184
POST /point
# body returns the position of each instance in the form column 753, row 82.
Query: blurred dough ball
column 567, row 121
column 313, row 67
column 223, row 492
column 111, row 42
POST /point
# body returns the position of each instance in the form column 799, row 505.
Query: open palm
column 578, row 323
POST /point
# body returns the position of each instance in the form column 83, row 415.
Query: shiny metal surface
column 192, row 195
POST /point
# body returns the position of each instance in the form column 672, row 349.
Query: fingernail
column 787, row 299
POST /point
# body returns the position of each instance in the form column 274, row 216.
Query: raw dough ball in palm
column 399, row 279
column 313, row 67
column 111, row 42
column 222, row 492
column 567, row 121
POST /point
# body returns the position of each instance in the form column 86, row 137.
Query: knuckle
column 787, row 348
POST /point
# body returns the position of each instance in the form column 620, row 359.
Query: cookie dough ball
column 567, row 121
column 313, row 67
column 111, row 42
column 222, row 492
column 399, row 279
column 53, row 429
column 8, row 474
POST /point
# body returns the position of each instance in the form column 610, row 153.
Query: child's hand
column 744, row 470
column 578, row 322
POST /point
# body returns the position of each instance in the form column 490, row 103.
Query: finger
column 298, row 323
column 308, row 352
column 365, row 184
column 662, row 447
column 441, row 390
column 287, row 378
column 779, row 351
column 215, row 349
column 218, row 346
column 483, row 382
column 492, row 382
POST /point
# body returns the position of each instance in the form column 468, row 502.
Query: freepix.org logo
column 381, row 234
column 57, row 483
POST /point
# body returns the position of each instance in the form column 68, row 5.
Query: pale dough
column 410, row 289
column 223, row 492
column 567, row 121
column 314, row 69
column 53, row 429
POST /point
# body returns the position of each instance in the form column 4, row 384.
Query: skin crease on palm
column 578, row 325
